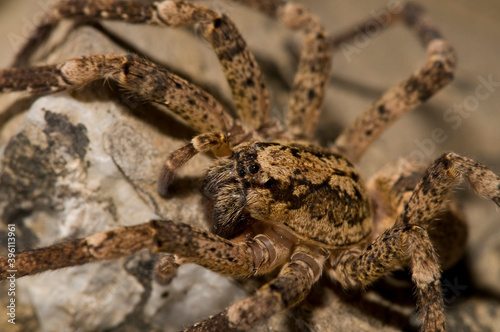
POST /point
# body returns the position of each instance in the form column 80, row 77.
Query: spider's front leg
column 149, row 81
column 240, row 68
column 258, row 255
column 290, row 287
column 193, row 244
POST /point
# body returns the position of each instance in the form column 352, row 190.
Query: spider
column 277, row 200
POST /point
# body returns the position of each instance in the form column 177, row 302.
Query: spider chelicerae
column 276, row 200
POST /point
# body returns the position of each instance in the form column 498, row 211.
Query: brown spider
column 277, row 201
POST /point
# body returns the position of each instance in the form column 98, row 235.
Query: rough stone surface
column 73, row 164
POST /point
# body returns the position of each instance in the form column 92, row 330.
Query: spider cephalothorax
column 277, row 200
column 305, row 188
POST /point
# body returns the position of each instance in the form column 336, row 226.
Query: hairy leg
column 193, row 244
column 136, row 75
column 314, row 65
column 408, row 241
column 288, row 289
column 240, row 68
column 398, row 246
column 420, row 86
column 391, row 189
column 439, row 179
column 216, row 142
column 187, row 244
column 243, row 258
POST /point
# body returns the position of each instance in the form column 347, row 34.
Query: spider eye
column 253, row 168
column 217, row 22
column 241, row 172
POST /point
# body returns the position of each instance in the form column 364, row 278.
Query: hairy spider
column 277, row 201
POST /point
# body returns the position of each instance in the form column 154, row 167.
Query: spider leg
column 242, row 71
column 432, row 189
column 146, row 79
column 393, row 249
column 420, row 86
column 289, row 288
column 192, row 244
column 215, row 142
column 314, row 64
column 408, row 240
column 240, row 68
column 188, row 244
column 391, row 189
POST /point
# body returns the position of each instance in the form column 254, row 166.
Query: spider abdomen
column 312, row 192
